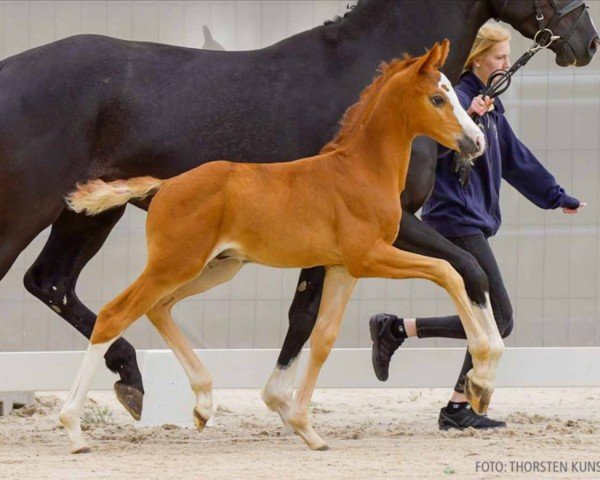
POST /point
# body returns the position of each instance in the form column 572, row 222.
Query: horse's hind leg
column 337, row 289
column 279, row 390
column 73, row 241
column 20, row 222
column 215, row 273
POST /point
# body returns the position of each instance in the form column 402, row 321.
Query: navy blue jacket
column 456, row 211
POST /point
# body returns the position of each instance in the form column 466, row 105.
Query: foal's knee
column 449, row 276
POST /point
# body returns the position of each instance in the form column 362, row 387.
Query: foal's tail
column 97, row 195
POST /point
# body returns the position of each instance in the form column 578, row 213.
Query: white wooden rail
column 169, row 399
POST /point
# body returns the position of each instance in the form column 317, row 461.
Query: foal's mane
column 358, row 113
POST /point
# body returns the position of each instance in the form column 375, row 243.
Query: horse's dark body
column 92, row 106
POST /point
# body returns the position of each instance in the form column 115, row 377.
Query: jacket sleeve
column 523, row 171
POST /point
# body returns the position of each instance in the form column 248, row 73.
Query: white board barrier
column 169, row 398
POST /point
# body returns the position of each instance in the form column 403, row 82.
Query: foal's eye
column 438, row 101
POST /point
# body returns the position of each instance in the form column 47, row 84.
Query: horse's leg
column 279, row 390
column 485, row 343
column 23, row 215
column 113, row 319
column 11, row 245
column 215, row 273
column 337, row 289
column 73, row 241
column 416, row 237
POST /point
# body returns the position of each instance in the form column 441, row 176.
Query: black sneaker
column 385, row 343
column 466, row 418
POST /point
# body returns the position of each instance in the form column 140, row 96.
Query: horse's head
column 568, row 19
column 433, row 107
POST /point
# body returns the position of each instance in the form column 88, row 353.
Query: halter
column 545, row 32
column 500, row 80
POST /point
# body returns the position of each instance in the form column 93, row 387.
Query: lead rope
column 498, row 83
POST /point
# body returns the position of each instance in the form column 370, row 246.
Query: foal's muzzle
column 471, row 146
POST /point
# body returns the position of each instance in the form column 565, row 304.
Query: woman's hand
column 573, row 211
column 480, row 105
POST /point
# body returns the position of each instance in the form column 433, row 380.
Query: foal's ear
column 429, row 61
column 445, row 51
column 434, row 59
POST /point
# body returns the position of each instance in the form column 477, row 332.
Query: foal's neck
column 382, row 144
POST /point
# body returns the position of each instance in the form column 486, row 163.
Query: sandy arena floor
column 383, row 433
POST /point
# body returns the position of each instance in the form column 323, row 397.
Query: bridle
column 500, row 80
column 545, row 33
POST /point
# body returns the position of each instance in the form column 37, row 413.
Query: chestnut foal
column 340, row 209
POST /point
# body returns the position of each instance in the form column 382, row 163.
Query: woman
column 469, row 215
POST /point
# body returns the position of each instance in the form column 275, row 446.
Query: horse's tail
column 97, row 195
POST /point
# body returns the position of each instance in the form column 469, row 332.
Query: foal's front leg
column 337, row 290
column 485, row 343
column 215, row 273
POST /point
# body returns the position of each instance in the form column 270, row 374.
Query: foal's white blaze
column 469, row 128
column 71, row 411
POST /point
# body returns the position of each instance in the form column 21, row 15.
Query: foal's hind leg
column 215, row 273
column 73, row 241
column 485, row 344
column 337, row 290
column 112, row 321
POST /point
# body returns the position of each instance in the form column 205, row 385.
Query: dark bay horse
column 91, row 106
column 220, row 215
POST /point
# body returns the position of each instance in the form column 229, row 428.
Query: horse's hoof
column 131, row 398
column 199, row 420
column 82, row 450
column 322, row 448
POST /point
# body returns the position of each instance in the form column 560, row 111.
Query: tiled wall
column 549, row 260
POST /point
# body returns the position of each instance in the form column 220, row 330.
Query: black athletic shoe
column 466, row 418
column 385, row 343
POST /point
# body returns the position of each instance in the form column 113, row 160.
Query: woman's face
column 498, row 57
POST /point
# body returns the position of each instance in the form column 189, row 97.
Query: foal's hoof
column 131, row 398
column 82, row 450
column 322, row 448
column 199, row 420
column 479, row 395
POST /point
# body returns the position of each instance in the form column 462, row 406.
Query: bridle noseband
column 545, row 34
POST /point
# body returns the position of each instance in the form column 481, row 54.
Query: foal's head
column 427, row 104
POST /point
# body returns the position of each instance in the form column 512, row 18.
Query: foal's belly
column 276, row 253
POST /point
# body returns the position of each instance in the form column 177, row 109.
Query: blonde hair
column 487, row 36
